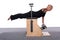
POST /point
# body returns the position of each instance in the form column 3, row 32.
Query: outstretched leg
column 16, row 16
column 20, row 15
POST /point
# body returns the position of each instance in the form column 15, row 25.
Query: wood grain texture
column 36, row 29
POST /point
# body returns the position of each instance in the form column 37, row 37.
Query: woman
column 35, row 15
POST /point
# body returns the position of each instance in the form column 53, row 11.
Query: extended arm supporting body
column 42, row 20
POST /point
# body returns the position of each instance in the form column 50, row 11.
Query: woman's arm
column 42, row 20
column 43, row 25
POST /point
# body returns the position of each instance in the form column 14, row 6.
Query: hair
column 50, row 5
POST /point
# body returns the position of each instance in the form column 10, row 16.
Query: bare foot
column 9, row 18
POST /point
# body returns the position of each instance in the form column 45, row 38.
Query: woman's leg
column 20, row 15
column 16, row 16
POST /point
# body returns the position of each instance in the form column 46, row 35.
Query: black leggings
column 27, row 15
column 16, row 16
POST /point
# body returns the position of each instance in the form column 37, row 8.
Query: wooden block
column 36, row 29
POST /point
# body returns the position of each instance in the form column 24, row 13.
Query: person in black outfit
column 35, row 15
column 27, row 15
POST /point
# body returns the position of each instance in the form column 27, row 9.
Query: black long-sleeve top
column 35, row 15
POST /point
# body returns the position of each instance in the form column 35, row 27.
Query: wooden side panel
column 36, row 29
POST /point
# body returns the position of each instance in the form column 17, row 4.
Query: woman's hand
column 43, row 26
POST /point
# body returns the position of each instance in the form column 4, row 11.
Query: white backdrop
column 10, row 7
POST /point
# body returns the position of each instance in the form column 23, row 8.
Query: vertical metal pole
column 31, row 5
column 31, row 21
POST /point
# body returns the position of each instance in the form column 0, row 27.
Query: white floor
column 46, row 34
